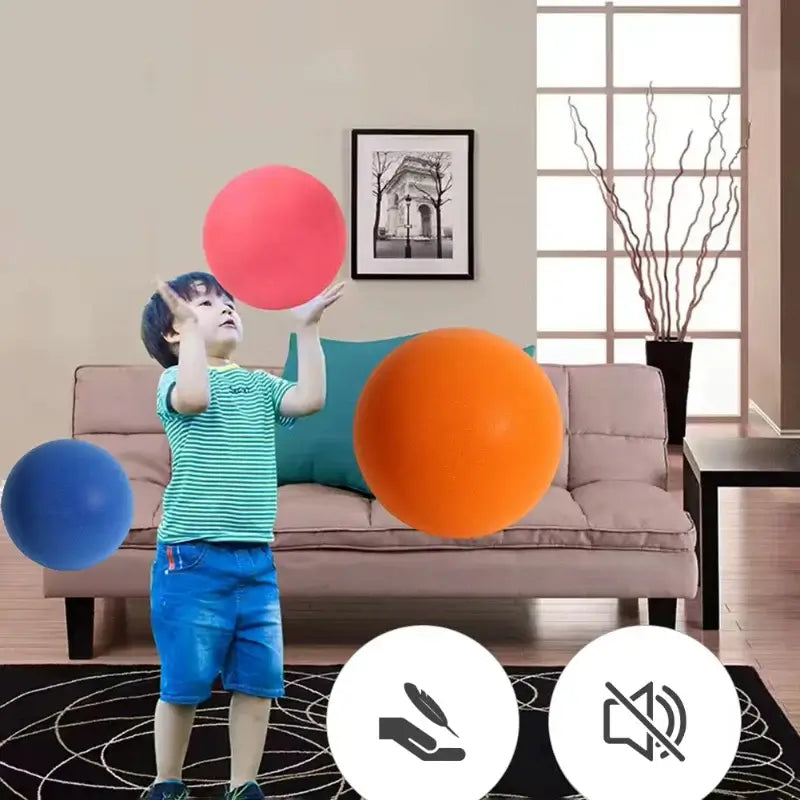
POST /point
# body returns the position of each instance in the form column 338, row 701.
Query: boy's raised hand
column 311, row 312
column 182, row 312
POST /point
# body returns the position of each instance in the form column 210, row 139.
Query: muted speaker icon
column 638, row 713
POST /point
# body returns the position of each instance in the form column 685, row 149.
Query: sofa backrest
column 614, row 421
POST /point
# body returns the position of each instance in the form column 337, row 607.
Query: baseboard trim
column 790, row 432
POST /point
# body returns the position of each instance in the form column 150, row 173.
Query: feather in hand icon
column 412, row 738
column 427, row 706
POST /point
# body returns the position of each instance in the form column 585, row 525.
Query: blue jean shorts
column 215, row 611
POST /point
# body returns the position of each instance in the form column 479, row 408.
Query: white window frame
column 610, row 254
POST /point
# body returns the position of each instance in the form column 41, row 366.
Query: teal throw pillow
column 319, row 448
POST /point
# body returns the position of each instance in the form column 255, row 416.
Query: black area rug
column 85, row 733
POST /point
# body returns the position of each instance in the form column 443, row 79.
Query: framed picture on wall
column 412, row 204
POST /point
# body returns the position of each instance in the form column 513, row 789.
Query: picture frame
column 412, row 204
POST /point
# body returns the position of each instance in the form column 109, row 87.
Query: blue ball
column 67, row 504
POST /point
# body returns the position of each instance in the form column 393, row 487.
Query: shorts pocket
column 185, row 556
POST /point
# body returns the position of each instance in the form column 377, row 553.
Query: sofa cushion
column 559, row 377
column 310, row 507
column 307, row 508
column 606, row 515
column 617, row 424
column 556, row 509
column 631, row 514
column 118, row 400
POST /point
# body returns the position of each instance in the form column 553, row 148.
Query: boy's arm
column 191, row 392
column 307, row 396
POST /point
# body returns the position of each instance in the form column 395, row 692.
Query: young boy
column 215, row 606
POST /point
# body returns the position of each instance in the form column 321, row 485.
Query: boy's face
column 218, row 321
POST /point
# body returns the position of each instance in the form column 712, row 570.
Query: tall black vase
column 674, row 359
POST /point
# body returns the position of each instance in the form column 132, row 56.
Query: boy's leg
column 193, row 616
column 248, row 721
column 254, row 669
column 173, row 727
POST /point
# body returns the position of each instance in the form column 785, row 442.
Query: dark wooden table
column 711, row 464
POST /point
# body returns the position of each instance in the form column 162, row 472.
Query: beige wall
column 120, row 120
column 790, row 213
column 764, row 207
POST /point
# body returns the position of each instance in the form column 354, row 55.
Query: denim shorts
column 215, row 610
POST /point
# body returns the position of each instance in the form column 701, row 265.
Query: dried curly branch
column 608, row 192
column 717, row 133
column 660, row 284
column 649, row 196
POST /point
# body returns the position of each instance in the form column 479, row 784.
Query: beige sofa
column 606, row 528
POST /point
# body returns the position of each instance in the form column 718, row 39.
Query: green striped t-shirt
column 224, row 483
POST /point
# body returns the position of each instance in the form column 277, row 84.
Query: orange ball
column 458, row 433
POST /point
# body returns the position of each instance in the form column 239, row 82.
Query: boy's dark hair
column 157, row 318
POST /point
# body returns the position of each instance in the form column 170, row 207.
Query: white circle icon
column 422, row 712
column 648, row 712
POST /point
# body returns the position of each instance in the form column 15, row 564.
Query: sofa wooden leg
column 662, row 611
column 80, row 627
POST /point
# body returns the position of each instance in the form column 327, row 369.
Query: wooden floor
column 760, row 543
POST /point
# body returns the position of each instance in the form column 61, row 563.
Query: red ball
column 275, row 237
